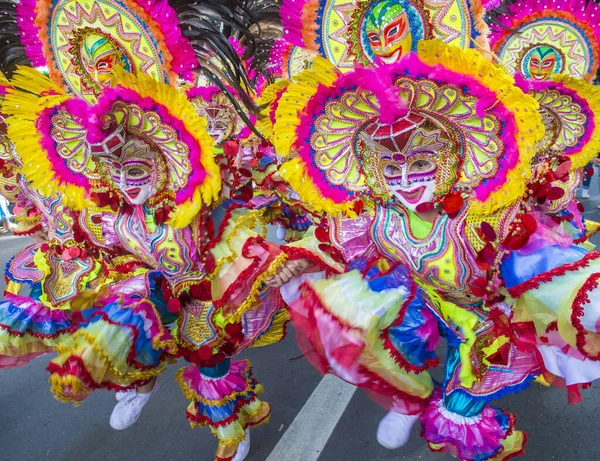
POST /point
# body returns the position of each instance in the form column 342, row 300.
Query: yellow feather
column 591, row 94
column 294, row 100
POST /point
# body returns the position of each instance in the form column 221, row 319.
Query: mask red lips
column 133, row 192
column 414, row 195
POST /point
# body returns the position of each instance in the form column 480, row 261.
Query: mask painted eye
column 104, row 64
column 135, row 173
column 535, row 62
column 392, row 171
column 393, row 31
column 547, row 64
column 374, row 39
column 421, row 166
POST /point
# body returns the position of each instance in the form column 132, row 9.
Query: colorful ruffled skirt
column 119, row 345
column 346, row 328
column 376, row 332
column 225, row 399
column 28, row 329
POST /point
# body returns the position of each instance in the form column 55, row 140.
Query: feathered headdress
column 325, row 117
column 539, row 38
column 63, row 140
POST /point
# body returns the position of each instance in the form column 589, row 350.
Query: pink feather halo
column 529, row 85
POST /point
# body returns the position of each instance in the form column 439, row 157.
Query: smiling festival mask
column 408, row 159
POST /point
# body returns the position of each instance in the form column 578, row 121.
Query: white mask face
column 135, row 177
column 219, row 130
column 412, row 179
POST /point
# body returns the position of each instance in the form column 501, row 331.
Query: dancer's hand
column 40, row 236
column 286, row 272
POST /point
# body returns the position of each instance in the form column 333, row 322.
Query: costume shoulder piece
column 365, row 32
column 539, row 38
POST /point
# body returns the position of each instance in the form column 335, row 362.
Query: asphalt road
column 313, row 418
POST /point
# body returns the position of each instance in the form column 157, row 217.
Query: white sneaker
column 243, row 448
column 585, row 193
column 394, row 429
column 280, row 232
column 120, row 395
column 128, row 410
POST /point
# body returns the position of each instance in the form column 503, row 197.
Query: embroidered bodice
column 162, row 247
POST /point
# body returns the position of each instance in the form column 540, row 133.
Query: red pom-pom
column 580, row 207
column 201, row 291
column 453, row 203
column 204, row 353
column 321, row 234
column 233, row 329
column 488, row 232
column 174, row 305
column 518, row 239
column 529, row 223
column 485, row 257
column 563, row 169
column 554, row 193
column 44, row 248
column 358, row 207
column 478, row 287
column 231, row 148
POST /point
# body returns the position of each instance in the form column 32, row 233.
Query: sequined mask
column 221, row 118
column 138, row 173
column 542, row 62
column 407, row 159
column 96, row 55
column 388, row 31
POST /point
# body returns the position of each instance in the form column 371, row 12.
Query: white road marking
column 306, row 437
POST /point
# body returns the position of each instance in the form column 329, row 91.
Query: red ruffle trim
column 202, row 420
column 545, row 277
column 401, row 361
column 19, row 334
column 29, row 232
column 302, row 253
column 76, row 363
column 375, row 383
column 580, row 299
